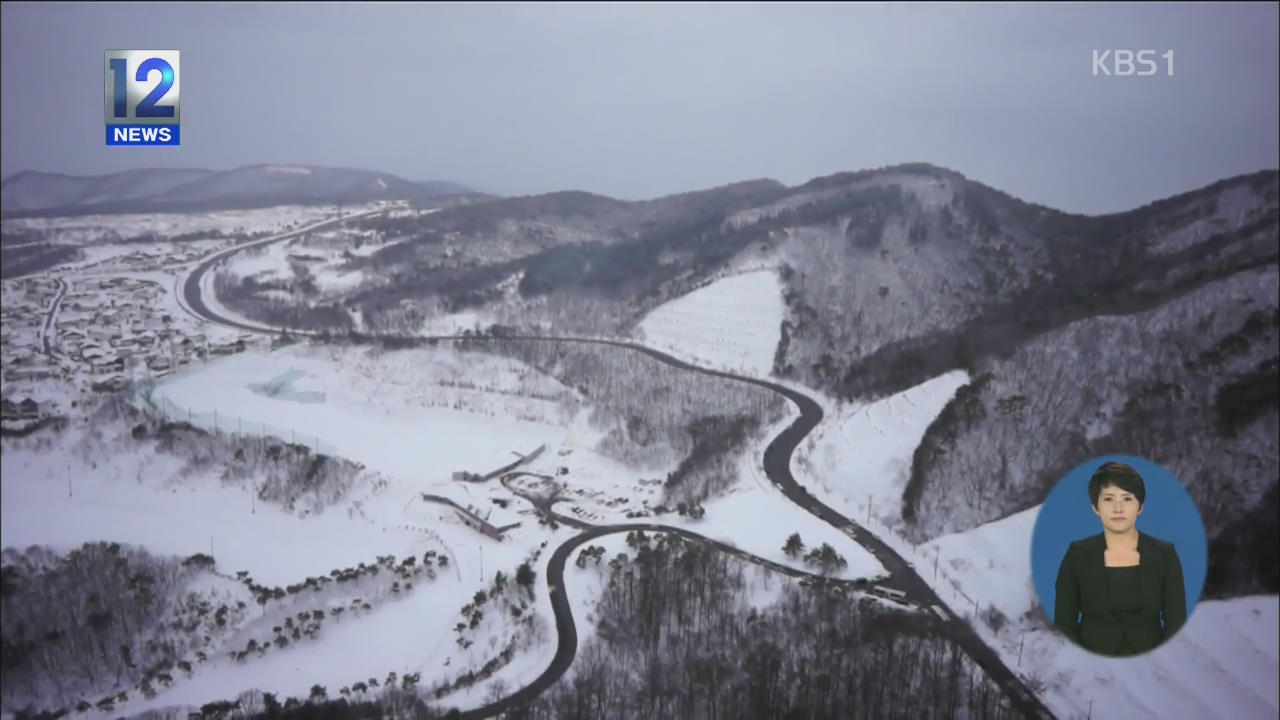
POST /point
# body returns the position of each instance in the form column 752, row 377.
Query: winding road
column 51, row 318
column 777, row 466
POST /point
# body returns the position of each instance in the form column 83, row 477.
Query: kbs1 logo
column 1124, row 63
column 142, row 97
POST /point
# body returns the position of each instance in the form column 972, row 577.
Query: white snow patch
column 756, row 517
column 331, row 280
column 732, row 324
column 455, row 323
column 262, row 263
column 862, row 453
column 375, row 410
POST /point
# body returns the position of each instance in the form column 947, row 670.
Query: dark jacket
column 1081, row 608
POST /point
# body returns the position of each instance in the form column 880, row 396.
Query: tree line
column 681, row 635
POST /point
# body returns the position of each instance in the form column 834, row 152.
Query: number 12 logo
column 143, row 100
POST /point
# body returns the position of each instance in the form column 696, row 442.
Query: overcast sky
column 637, row 101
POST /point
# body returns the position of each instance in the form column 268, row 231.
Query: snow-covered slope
column 862, row 453
column 1222, row 664
column 732, row 324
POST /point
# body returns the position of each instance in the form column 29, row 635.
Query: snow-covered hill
column 1222, row 664
column 733, row 323
column 30, row 190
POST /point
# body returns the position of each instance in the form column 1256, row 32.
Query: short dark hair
column 1119, row 475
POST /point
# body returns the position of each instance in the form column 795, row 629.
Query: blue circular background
column 1168, row 513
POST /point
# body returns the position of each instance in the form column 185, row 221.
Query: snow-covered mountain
column 169, row 189
column 29, row 189
column 1138, row 330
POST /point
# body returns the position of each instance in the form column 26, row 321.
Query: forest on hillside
column 1190, row 384
column 654, row 416
column 715, row 648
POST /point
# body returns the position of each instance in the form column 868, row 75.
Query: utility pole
column 1021, row 638
column 68, row 481
column 481, row 562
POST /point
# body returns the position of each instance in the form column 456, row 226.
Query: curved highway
column 777, row 466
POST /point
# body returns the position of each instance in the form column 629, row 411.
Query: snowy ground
column 384, row 409
column 414, row 416
column 128, row 500
column 1223, row 664
column 411, row 417
column 455, row 323
column 731, row 324
column 861, row 453
column 323, row 253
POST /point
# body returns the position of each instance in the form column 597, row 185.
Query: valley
column 427, row 491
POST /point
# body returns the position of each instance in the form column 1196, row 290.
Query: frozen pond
column 282, row 387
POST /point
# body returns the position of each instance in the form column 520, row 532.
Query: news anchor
column 1119, row 592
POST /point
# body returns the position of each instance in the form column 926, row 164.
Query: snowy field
column 263, row 263
column 135, row 499
column 455, row 323
column 385, row 410
column 1223, row 664
column 731, row 324
column 411, row 417
column 272, row 262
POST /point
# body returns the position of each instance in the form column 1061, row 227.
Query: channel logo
column 143, row 101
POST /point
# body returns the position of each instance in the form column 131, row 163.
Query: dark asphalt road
column 777, row 466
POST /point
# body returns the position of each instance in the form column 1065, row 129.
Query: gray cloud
column 636, row 101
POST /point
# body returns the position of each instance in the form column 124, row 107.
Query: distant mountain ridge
column 154, row 189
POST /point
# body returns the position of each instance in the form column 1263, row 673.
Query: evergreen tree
column 794, row 546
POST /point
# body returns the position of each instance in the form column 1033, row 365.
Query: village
column 112, row 317
column 65, row 335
